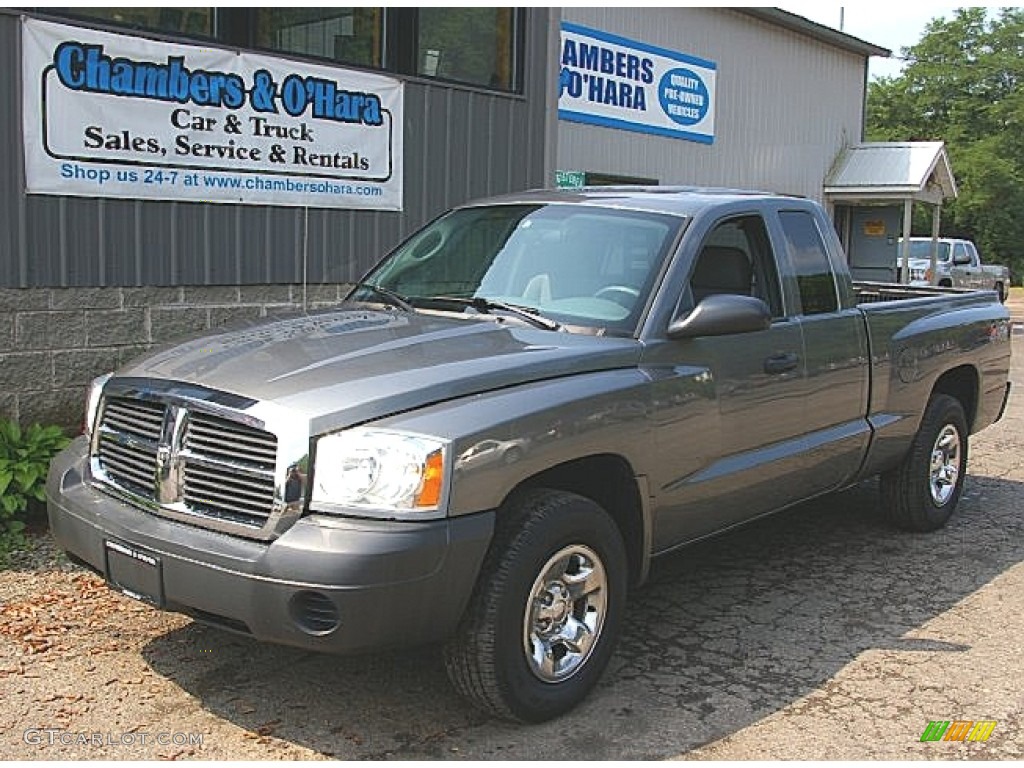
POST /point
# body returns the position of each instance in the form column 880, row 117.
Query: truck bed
column 869, row 292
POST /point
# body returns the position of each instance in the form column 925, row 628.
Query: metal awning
column 883, row 171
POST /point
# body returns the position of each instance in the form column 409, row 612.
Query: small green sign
column 570, row 179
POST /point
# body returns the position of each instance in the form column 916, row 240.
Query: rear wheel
column 547, row 610
column 922, row 492
column 1001, row 291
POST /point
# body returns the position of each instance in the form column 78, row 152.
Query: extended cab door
column 756, row 380
column 834, row 397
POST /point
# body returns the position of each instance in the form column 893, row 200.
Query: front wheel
column 546, row 612
column 922, row 492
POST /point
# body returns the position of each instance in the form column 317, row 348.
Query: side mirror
column 722, row 314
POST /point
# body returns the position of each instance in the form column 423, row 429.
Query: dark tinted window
column 348, row 35
column 471, row 45
column 810, row 262
column 186, row 21
column 476, row 46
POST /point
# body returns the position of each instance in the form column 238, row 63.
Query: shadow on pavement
column 726, row 632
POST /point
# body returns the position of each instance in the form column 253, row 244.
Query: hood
column 341, row 366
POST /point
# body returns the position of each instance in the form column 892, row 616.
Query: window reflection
column 348, row 35
column 470, row 45
column 475, row 46
column 189, row 21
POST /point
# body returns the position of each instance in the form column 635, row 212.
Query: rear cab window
column 811, row 266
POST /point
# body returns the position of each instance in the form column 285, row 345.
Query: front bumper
column 326, row 584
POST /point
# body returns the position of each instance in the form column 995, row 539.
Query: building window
column 468, row 45
column 182, row 21
column 594, row 179
column 346, row 35
column 475, row 46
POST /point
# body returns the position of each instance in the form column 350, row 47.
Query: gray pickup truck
column 515, row 411
column 957, row 265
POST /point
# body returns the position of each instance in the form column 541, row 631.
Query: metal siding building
column 460, row 142
column 787, row 102
column 89, row 282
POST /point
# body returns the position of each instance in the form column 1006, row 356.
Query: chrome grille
column 129, row 433
column 229, row 469
column 230, row 441
column 187, row 463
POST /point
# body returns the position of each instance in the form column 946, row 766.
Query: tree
column 964, row 84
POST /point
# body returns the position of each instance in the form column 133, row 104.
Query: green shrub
column 24, row 461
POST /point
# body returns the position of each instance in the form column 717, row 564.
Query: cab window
column 814, row 275
column 736, row 258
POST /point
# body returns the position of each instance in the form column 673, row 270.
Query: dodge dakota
column 511, row 415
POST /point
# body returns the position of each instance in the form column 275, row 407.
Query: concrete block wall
column 54, row 341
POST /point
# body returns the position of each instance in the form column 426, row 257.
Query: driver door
column 758, row 389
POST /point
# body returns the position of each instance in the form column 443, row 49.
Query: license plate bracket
column 135, row 572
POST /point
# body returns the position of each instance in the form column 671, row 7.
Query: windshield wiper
column 392, row 297
column 487, row 306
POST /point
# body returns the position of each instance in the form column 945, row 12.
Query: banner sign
column 619, row 83
column 109, row 115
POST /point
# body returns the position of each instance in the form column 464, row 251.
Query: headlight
column 378, row 471
column 92, row 401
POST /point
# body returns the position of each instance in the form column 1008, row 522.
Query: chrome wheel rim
column 945, row 465
column 565, row 613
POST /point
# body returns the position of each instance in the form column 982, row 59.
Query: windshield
column 577, row 265
column 922, row 249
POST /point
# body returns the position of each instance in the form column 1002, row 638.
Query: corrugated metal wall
column 459, row 144
column 786, row 104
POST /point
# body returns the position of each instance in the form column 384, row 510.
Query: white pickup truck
column 957, row 265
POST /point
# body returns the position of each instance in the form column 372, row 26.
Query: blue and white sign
column 109, row 115
column 612, row 81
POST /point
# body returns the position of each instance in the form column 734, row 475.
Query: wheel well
column 945, row 283
column 961, row 383
column 608, row 481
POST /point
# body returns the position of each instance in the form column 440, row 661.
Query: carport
column 872, row 189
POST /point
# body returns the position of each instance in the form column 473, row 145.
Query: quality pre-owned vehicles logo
column 611, row 81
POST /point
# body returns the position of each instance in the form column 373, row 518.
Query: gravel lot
column 818, row 634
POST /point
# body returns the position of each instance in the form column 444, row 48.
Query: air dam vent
column 314, row 613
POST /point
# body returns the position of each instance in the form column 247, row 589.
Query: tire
column 921, row 494
column 525, row 598
column 1002, row 293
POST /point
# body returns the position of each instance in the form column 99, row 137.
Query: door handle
column 781, row 363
